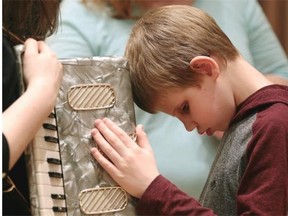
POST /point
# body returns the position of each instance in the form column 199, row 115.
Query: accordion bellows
column 92, row 88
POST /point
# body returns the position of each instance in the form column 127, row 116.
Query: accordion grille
column 103, row 200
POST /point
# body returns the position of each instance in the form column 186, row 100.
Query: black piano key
column 54, row 161
column 51, row 139
column 59, row 209
column 55, row 174
column 52, row 115
column 49, row 126
column 58, row 196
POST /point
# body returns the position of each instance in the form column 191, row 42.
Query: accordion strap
column 11, row 197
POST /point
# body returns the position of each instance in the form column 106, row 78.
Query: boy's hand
column 131, row 165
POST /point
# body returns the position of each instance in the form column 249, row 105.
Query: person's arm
column 268, row 55
column 163, row 198
column 133, row 167
column 43, row 75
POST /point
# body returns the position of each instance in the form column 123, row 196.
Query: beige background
column 277, row 13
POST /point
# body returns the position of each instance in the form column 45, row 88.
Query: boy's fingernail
column 94, row 131
column 93, row 150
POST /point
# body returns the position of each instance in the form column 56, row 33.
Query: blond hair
column 161, row 46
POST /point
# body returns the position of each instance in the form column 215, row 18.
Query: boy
column 182, row 64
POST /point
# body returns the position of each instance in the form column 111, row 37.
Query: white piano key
column 45, row 167
column 45, row 132
column 49, row 203
column 43, row 154
column 39, row 142
column 50, row 120
column 49, row 212
column 47, row 190
column 45, row 179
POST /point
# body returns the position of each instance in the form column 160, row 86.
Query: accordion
column 64, row 178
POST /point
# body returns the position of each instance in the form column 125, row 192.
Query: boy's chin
column 218, row 134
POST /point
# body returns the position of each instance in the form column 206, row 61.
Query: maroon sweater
column 250, row 172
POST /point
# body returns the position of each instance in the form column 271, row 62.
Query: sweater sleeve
column 264, row 186
column 164, row 198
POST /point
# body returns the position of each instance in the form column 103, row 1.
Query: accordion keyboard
column 46, row 172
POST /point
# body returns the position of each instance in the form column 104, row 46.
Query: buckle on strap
column 8, row 184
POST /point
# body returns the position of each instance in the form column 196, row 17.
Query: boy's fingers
column 107, row 149
column 142, row 138
column 121, row 134
column 109, row 136
column 104, row 162
column 114, row 134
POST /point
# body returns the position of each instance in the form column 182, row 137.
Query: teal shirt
column 183, row 157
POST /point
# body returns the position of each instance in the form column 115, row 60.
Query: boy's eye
column 185, row 108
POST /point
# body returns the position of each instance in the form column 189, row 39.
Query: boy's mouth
column 209, row 132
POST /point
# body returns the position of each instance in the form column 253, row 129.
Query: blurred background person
column 101, row 28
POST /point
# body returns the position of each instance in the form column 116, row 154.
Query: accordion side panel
column 80, row 170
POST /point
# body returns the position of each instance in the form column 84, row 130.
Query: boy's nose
column 189, row 126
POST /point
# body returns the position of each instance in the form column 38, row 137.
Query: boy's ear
column 205, row 65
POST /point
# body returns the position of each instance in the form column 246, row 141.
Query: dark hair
column 30, row 18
